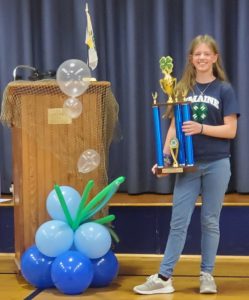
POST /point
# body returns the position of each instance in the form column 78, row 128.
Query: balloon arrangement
column 73, row 77
column 73, row 251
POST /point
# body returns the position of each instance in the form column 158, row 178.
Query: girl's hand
column 153, row 169
column 191, row 127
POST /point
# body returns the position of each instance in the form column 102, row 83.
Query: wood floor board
column 7, row 263
column 188, row 265
column 145, row 264
column 149, row 199
column 124, row 199
column 13, row 287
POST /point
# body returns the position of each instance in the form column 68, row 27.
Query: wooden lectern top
column 11, row 102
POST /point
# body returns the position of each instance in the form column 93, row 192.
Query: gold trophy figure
column 168, row 82
column 154, row 96
column 174, row 147
column 174, row 167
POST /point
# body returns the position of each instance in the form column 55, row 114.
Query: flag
column 92, row 53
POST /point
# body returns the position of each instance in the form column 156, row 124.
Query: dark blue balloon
column 72, row 272
column 36, row 268
column 105, row 269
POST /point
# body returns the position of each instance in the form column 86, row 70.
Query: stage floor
column 236, row 288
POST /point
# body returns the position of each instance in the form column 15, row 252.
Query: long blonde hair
column 188, row 79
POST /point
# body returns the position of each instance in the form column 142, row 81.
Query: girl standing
column 208, row 88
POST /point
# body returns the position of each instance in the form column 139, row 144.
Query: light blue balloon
column 54, row 237
column 72, row 199
column 92, row 239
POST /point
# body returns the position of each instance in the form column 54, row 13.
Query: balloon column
column 73, row 251
column 73, row 77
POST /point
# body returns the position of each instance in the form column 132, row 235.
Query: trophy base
column 171, row 170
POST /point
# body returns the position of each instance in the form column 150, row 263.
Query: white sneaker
column 207, row 284
column 154, row 285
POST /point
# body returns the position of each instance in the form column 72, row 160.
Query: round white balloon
column 73, row 77
column 88, row 161
column 73, row 107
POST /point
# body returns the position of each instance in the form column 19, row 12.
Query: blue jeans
column 211, row 180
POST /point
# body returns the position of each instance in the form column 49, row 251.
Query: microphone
column 34, row 76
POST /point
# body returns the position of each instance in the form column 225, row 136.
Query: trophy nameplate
column 164, row 171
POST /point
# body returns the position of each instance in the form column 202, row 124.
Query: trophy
column 181, row 147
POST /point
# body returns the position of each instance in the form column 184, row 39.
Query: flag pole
column 86, row 10
column 90, row 42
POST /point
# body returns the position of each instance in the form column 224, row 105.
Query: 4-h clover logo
column 199, row 111
column 166, row 64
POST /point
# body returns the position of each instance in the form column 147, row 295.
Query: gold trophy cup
column 168, row 82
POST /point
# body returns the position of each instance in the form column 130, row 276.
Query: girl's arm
column 225, row 131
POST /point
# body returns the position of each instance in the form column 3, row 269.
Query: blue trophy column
column 158, row 136
column 188, row 139
column 179, row 134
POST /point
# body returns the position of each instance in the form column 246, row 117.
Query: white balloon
column 73, row 107
column 88, row 161
column 73, row 77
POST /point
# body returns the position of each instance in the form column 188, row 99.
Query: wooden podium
column 46, row 146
